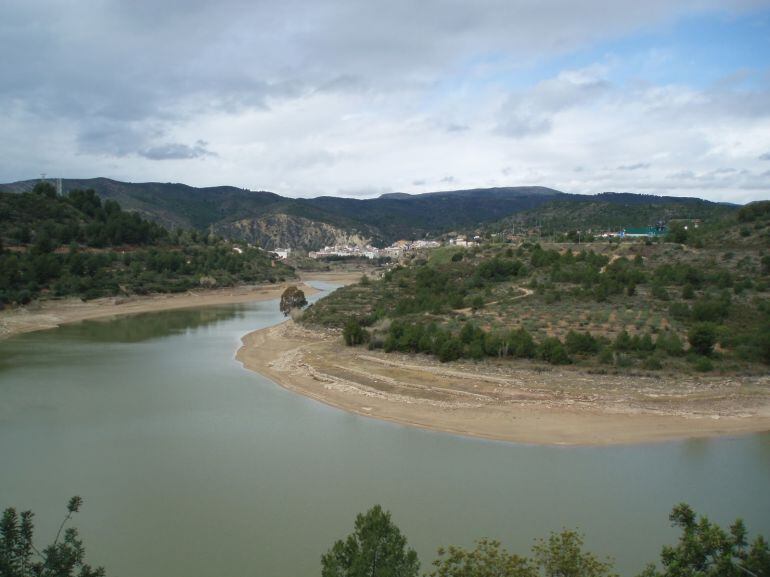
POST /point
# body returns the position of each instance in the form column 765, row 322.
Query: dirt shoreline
column 509, row 402
column 49, row 314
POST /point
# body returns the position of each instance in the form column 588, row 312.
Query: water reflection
column 145, row 326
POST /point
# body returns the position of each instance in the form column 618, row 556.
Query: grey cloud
column 177, row 151
column 637, row 166
column 452, row 127
column 122, row 78
column 681, row 175
column 419, row 182
column 532, row 112
column 448, row 180
column 518, row 124
column 146, row 60
column 765, row 156
column 307, row 159
column 728, row 178
column 114, row 138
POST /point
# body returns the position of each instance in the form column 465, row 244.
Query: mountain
column 271, row 220
column 611, row 211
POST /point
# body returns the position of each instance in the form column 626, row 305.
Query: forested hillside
column 79, row 245
column 270, row 220
column 609, row 212
column 606, row 306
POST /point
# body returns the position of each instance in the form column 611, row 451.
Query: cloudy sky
column 360, row 97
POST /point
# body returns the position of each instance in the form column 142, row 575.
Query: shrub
column 670, row 344
column 581, row 343
column 353, row 334
column 623, row 342
column 702, row 338
column 552, row 350
column 606, row 356
column 652, row 364
column 703, row 365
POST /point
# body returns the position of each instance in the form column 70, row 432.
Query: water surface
column 192, row 466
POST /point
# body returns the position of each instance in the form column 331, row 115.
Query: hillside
column 270, row 220
column 609, row 212
column 78, row 245
column 626, row 307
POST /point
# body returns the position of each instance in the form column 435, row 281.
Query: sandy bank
column 49, row 314
column 510, row 402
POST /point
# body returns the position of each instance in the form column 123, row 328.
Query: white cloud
column 359, row 98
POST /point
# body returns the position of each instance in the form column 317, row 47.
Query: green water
column 192, row 466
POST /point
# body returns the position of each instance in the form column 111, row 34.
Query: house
column 282, row 253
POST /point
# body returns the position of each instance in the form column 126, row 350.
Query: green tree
column 292, row 298
column 353, row 334
column 44, row 188
column 487, row 559
column 562, row 555
column 702, row 338
column 706, row 550
column 376, row 548
column 553, row 351
column 65, row 557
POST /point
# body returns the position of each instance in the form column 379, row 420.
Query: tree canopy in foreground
column 65, row 557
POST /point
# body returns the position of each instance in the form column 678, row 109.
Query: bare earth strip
column 49, row 314
column 517, row 402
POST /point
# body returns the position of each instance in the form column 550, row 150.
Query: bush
column 552, row 350
column 702, row 338
column 450, row 349
column 353, row 334
column 581, row 343
column 703, row 365
column 652, row 364
column 670, row 344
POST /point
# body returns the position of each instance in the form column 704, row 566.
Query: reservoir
column 190, row 465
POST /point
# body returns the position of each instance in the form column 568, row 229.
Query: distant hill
column 611, row 211
column 271, row 220
column 78, row 245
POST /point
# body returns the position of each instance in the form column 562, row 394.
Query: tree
column 487, row 559
column 292, row 298
column 553, row 351
column 702, row 338
column 706, row 550
column 44, row 188
column 562, row 555
column 376, row 548
column 63, row 558
column 353, row 334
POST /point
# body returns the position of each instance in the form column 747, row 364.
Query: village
column 403, row 247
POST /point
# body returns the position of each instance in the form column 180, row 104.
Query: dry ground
column 519, row 401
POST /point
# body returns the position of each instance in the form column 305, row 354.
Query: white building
column 282, row 253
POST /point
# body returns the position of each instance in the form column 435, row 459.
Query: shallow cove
column 190, row 465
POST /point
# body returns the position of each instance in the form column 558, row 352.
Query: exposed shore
column 48, row 314
column 510, row 402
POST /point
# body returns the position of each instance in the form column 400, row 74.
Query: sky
column 360, row 97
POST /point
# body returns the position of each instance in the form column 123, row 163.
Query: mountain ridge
column 270, row 220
